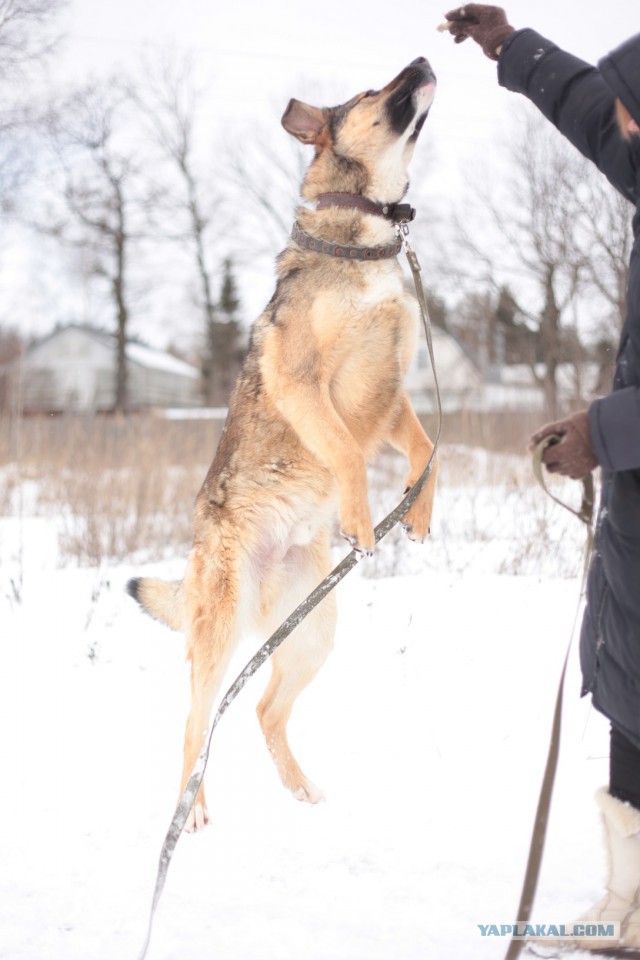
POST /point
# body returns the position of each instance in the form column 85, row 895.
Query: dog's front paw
column 363, row 545
column 355, row 521
column 417, row 520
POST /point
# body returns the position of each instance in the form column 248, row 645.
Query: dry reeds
column 117, row 487
column 123, row 489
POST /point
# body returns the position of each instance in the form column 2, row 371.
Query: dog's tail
column 161, row 599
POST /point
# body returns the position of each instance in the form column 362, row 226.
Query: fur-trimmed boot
column 621, row 901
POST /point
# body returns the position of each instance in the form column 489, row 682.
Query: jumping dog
column 320, row 392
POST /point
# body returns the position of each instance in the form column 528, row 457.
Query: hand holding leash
column 570, row 452
column 486, row 25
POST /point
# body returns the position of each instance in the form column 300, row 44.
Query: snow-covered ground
column 427, row 730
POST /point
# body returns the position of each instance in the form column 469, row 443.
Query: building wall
column 458, row 378
column 67, row 371
column 74, row 370
column 159, row 388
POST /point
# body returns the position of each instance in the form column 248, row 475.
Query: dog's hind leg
column 204, row 686
column 300, row 656
column 212, row 600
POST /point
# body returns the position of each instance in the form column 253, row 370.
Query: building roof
column 136, row 352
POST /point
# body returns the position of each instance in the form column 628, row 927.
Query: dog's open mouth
column 411, row 96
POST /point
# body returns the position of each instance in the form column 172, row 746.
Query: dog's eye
column 369, row 93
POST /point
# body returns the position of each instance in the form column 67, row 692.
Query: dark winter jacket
column 579, row 99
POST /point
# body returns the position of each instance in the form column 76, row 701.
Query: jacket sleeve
column 574, row 97
column 614, row 425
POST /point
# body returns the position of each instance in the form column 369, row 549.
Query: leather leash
column 328, row 584
column 536, row 847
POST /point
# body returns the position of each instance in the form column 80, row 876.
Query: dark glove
column 486, row 25
column 573, row 456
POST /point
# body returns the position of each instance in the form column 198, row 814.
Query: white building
column 459, row 379
column 73, row 369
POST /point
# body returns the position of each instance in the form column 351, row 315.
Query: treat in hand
column 486, row 25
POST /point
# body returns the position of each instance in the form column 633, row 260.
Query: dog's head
column 365, row 145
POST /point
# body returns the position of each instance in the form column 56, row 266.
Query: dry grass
column 120, row 487
column 490, row 516
column 123, row 489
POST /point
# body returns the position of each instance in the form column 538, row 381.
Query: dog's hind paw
column 309, row 793
column 197, row 820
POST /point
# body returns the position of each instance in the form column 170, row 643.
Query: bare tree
column 27, row 38
column 603, row 232
column 225, row 347
column 550, row 241
column 26, row 33
column 104, row 197
column 171, row 104
column 265, row 176
column 12, row 344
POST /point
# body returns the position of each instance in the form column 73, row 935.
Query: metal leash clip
column 403, row 234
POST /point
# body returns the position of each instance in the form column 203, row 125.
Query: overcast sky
column 261, row 52
column 256, row 54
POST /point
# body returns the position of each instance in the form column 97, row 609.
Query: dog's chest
column 372, row 328
column 381, row 286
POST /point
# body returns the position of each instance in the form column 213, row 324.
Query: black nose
column 422, row 66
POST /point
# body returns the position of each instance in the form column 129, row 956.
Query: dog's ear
column 303, row 121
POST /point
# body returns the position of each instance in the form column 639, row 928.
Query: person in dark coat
column 598, row 110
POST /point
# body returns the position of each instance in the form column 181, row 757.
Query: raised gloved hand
column 486, row 25
column 573, row 455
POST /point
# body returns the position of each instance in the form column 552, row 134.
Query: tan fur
column 320, row 393
column 162, row 600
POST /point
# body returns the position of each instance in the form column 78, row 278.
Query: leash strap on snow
column 303, row 610
column 536, row 847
